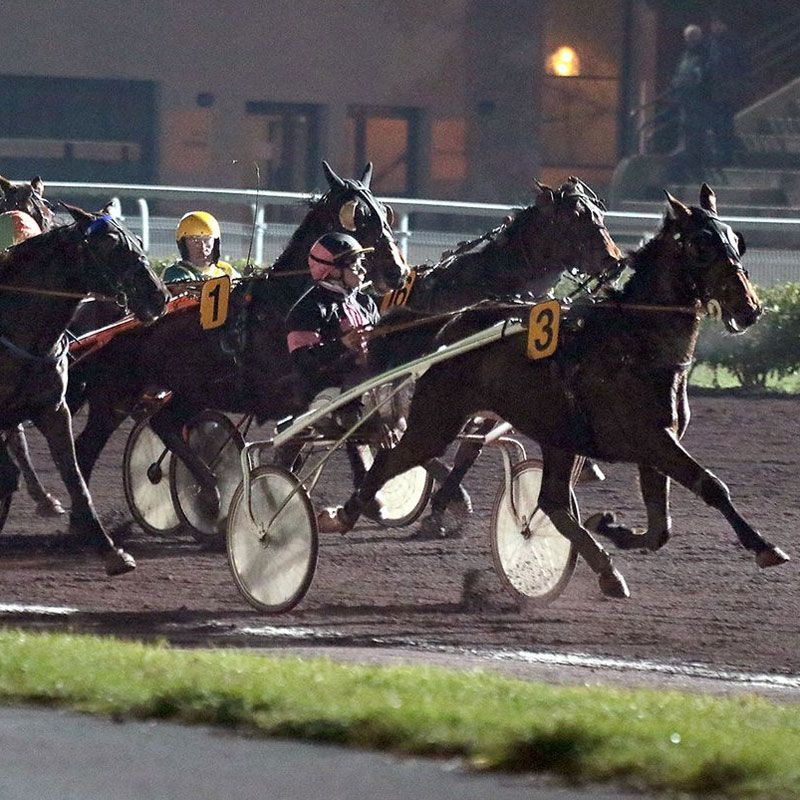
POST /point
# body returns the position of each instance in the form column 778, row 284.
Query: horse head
column 710, row 254
column 27, row 197
column 350, row 207
column 564, row 229
column 114, row 263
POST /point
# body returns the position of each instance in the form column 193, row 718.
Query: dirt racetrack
column 701, row 599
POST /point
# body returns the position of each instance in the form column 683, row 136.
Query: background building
column 463, row 99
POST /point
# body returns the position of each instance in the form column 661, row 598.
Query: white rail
column 772, row 256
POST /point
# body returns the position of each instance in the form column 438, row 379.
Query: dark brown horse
column 43, row 280
column 615, row 389
column 27, row 197
column 242, row 367
column 563, row 231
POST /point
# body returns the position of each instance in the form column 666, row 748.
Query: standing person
column 198, row 238
column 690, row 93
column 725, row 74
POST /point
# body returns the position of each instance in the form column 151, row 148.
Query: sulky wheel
column 145, row 476
column 273, row 552
column 217, row 441
column 534, row 561
column 404, row 498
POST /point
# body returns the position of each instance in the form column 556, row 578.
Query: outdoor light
column 564, row 62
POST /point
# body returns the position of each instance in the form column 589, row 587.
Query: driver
column 198, row 239
column 327, row 324
column 16, row 227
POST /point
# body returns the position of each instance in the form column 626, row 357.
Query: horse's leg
column 672, row 460
column 655, row 493
column 102, row 420
column 56, row 425
column 9, row 472
column 554, row 501
column 451, row 495
column 168, row 424
column 431, row 427
column 47, row 505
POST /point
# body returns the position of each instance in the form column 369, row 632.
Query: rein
column 386, row 330
column 55, row 293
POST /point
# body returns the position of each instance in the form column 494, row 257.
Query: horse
column 562, row 231
column 242, row 367
column 42, row 281
column 28, row 197
column 615, row 389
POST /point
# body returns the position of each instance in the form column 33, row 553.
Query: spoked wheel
column 404, row 498
column 145, row 476
column 273, row 551
column 534, row 561
column 217, row 441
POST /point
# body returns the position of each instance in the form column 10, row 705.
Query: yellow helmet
column 197, row 223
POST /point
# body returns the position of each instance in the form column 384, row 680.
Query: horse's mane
column 314, row 203
column 24, row 252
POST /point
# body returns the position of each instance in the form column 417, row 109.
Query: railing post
column 403, row 233
column 144, row 213
column 258, row 255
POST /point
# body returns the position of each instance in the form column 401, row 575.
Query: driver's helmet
column 333, row 250
column 197, row 223
column 16, row 227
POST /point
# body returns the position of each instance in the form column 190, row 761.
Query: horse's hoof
column 373, row 510
column 598, row 522
column 209, row 502
column 612, row 584
column 435, row 526
column 331, row 520
column 118, row 562
column 591, row 473
column 461, row 507
column 432, row 527
column 771, row 557
column 50, row 506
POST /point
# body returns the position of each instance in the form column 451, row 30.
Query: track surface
column 702, row 599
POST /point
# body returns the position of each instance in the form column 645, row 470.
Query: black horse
column 42, row 280
column 615, row 389
column 562, row 231
column 242, row 367
column 28, row 197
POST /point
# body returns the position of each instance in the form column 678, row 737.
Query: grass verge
column 657, row 740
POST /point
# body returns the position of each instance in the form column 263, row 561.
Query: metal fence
column 425, row 228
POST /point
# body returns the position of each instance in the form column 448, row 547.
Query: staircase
column 766, row 179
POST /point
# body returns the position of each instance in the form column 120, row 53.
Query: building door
column 389, row 137
column 285, row 143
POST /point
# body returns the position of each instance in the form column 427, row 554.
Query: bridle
column 116, row 285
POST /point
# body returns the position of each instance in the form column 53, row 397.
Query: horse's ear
column 113, row 209
column 708, row 200
column 334, row 181
column 78, row 214
column 546, row 196
column 5, row 184
column 367, row 176
column 37, row 184
column 675, row 209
